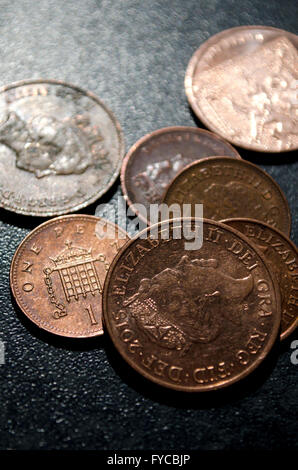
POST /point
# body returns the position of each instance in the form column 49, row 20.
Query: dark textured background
column 64, row 394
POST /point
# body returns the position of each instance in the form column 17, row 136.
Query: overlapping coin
column 242, row 84
column 60, row 148
column 230, row 188
column 191, row 319
column 155, row 159
column 188, row 317
column 282, row 256
column 58, row 271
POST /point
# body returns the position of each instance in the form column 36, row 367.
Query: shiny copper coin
column 282, row 256
column 230, row 188
column 155, row 159
column 58, row 271
column 191, row 318
column 60, row 148
column 242, row 84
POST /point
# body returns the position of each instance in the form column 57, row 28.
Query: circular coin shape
column 60, row 148
column 58, row 271
column 282, row 257
column 187, row 315
column 155, row 159
column 241, row 83
column 230, row 188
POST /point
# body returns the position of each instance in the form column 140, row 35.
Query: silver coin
column 60, row 148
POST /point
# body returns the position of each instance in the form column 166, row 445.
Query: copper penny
column 282, row 256
column 242, row 84
column 155, row 159
column 60, row 148
column 230, row 188
column 58, row 271
column 191, row 319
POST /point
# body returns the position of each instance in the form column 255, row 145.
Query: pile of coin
column 192, row 304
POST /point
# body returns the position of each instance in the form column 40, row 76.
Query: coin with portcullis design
column 58, row 271
column 189, row 318
column 230, row 188
column 242, row 84
column 60, row 148
column 155, row 159
column 281, row 254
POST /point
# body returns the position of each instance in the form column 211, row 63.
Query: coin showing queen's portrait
column 191, row 319
column 61, row 148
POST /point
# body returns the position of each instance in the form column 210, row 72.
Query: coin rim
column 148, row 137
column 121, row 151
column 199, row 388
column 290, row 330
column 15, row 263
column 275, row 184
column 188, row 83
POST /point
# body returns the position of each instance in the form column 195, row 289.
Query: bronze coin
column 242, row 84
column 60, row 148
column 282, row 256
column 230, row 188
column 191, row 319
column 155, row 159
column 58, row 271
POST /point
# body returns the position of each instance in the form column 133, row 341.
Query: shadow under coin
column 262, row 158
column 19, row 220
column 187, row 400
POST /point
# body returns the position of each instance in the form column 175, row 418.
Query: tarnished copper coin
column 191, row 319
column 242, row 84
column 60, row 148
column 282, row 256
column 58, row 271
column 155, row 159
column 230, row 188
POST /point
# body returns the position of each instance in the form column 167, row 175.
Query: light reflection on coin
column 242, row 84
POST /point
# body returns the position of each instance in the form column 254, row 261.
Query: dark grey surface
column 63, row 394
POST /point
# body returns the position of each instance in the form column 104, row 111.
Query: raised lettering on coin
column 192, row 320
column 68, row 275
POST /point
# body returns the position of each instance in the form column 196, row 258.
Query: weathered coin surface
column 60, row 148
column 58, row 271
column 230, row 188
column 155, row 159
column 191, row 319
column 282, row 256
column 242, row 84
